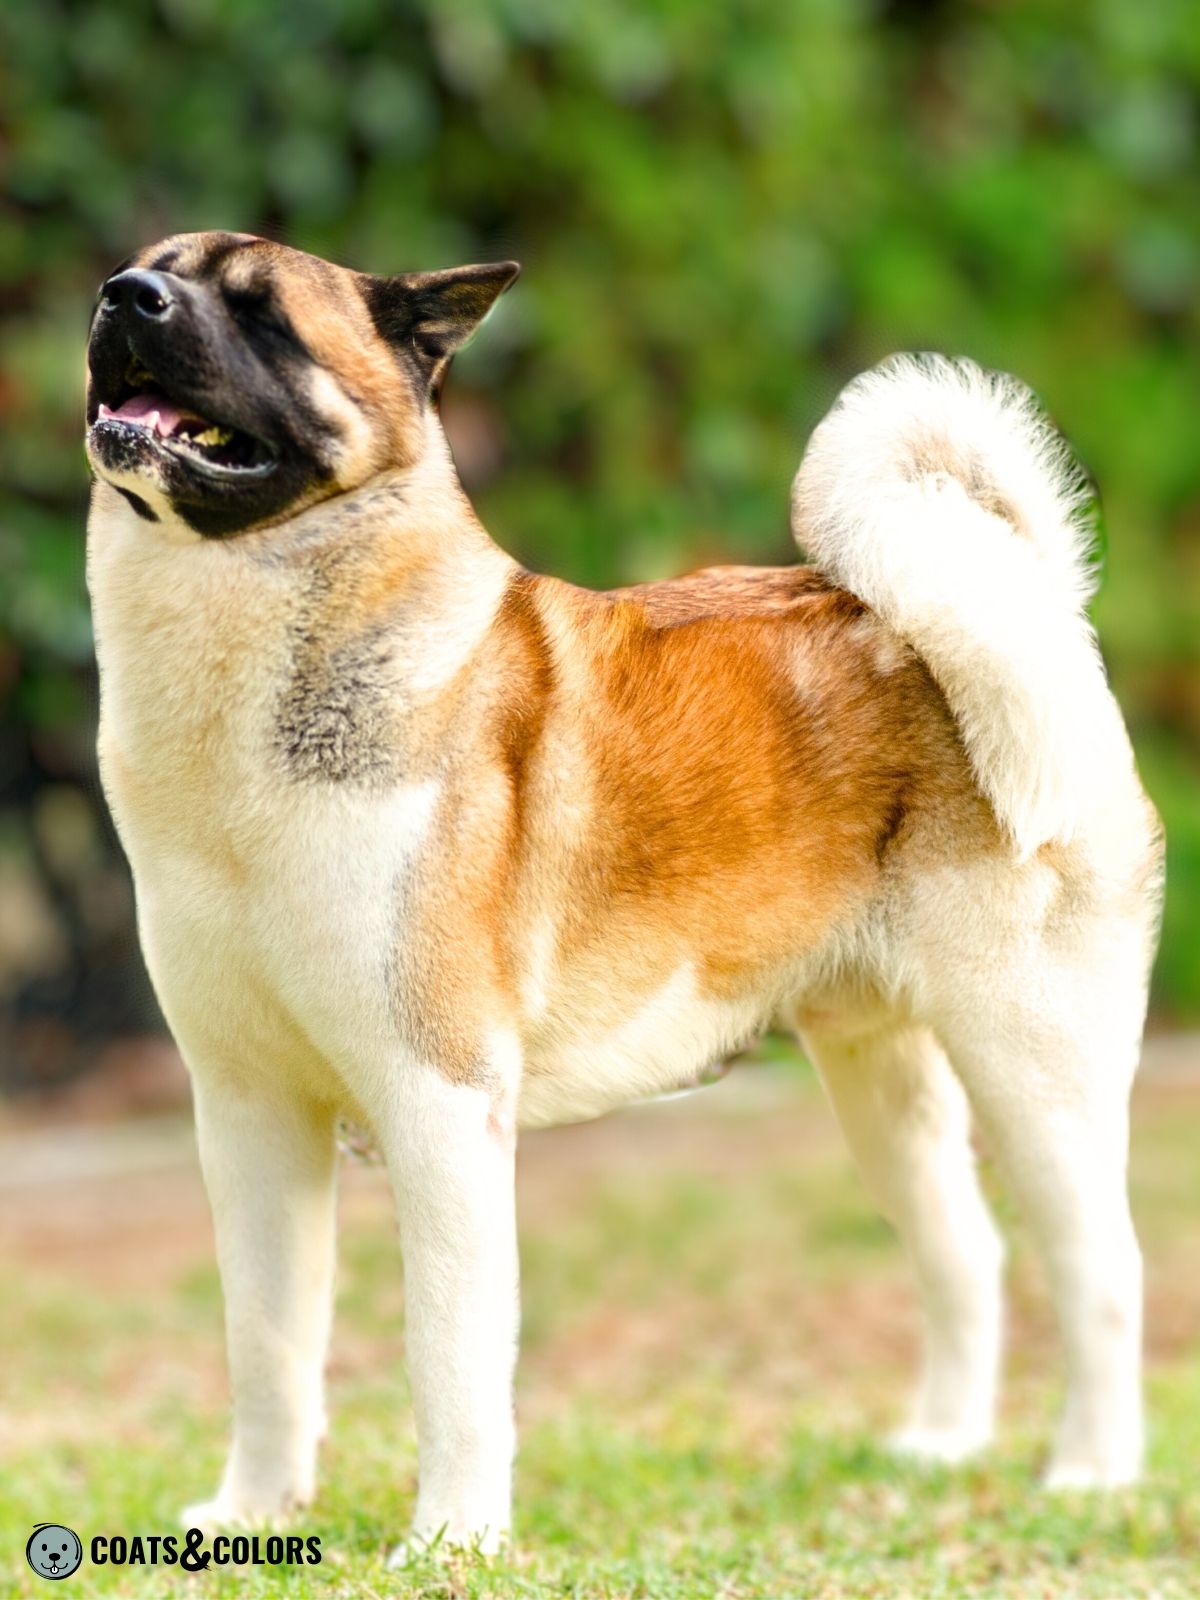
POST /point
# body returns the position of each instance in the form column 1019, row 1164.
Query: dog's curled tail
column 939, row 494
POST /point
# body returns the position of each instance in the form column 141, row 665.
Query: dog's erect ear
column 431, row 314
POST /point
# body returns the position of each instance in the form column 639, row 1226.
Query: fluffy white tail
column 938, row 494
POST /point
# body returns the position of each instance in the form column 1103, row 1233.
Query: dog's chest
column 185, row 716
column 267, row 902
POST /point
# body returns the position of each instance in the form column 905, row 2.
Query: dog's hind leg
column 269, row 1161
column 906, row 1119
column 1047, row 1054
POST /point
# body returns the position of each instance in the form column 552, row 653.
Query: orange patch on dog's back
column 750, row 743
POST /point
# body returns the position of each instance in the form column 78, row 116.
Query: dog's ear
column 430, row 315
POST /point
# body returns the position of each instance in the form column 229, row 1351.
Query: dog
column 429, row 841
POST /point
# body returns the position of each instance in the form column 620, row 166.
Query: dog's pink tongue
column 155, row 410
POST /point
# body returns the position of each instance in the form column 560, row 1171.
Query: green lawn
column 716, row 1328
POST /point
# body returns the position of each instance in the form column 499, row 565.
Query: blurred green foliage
column 723, row 211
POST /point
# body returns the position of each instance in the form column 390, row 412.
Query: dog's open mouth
column 183, row 431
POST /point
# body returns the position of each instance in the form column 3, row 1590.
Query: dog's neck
column 198, row 637
column 407, row 528
column 420, row 513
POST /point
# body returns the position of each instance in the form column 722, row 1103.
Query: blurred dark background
column 723, row 212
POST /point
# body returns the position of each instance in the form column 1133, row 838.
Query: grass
column 716, row 1328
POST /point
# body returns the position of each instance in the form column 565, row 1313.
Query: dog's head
column 233, row 381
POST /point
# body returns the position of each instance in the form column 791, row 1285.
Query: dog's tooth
column 152, row 422
column 105, row 411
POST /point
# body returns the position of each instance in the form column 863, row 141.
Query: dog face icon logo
column 53, row 1551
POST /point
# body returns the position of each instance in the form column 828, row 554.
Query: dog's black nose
column 147, row 293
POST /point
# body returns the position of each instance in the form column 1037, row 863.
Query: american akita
column 427, row 839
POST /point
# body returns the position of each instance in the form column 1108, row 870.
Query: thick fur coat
column 426, row 839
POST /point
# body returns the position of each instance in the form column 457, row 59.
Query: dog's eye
column 249, row 304
column 255, row 310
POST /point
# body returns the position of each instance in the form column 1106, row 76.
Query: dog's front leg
column 269, row 1161
column 450, row 1149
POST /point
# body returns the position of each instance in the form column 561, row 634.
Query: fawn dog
column 423, row 838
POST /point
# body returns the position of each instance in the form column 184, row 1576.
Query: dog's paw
column 443, row 1545
column 211, row 1515
column 226, row 1511
column 1067, row 1477
column 947, row 1446
column 409, row 1551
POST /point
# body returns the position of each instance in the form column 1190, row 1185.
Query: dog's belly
column 670, row 1039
